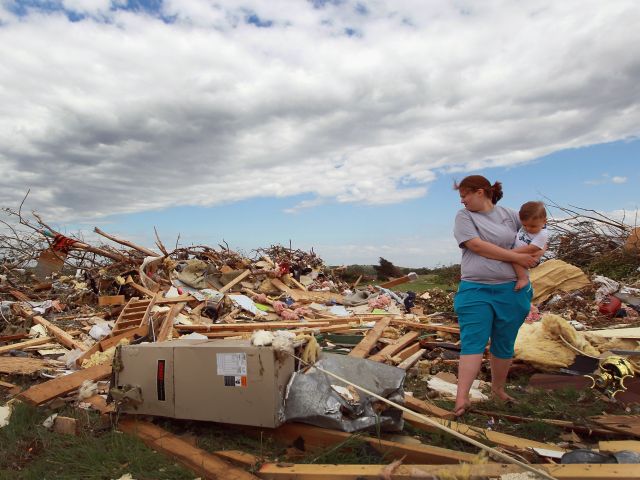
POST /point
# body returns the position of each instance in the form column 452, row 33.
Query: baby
column 532, row 236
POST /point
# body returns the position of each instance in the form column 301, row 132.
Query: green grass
column 28, row 451
column 424, row 283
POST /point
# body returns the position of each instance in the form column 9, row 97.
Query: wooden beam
column 43, row 392
column 481, row 434
column 23, row 345
column 279, row 471
column 390, row 350
column 425, row 326
column 199, row 461
column 249, row 326
column 299, row 295
column 107, row 343
column 111, row 300
column 421, row 406
column 182, row 298
column 316, row 437
column 406, row 353
column 166, row 330
column 409, row 362
column 22, row 366
column 370, row 339
column 235, row 281
column 619, row 445
column 61, row 336
column 238, row 457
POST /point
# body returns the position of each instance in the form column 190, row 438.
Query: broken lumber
column 23, row 345
column 421, row 406
column 235, row 281
column 23, row 366
column 619, row 445
column 409, row 362
column 399, row 281
column 279, row 471
column 397, row 346
column 166, row 330
column 111, row 300
column 310, row 296
column 317, row 437
column 61, row 336
column 43, row 392
column 502, row 439
column 370, row 339
column 629, row 424
column 193, row 458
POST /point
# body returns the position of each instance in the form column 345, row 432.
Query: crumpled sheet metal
column 310, row 398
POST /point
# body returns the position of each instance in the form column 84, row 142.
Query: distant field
column 424, row 283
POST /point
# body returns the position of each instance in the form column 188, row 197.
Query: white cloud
column 122, row 112
column 606, row 178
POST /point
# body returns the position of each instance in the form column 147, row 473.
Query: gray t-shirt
column 499, row 226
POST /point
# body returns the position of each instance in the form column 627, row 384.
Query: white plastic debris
column 49, row 421
column 5, row 415
column 99, row 331
column 247, row 304
column 87, row 389
column 194, row 336
column 261, row 338
column 37, row 331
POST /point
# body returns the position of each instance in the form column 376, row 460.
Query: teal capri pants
column 490, row 311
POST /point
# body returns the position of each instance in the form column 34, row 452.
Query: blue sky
column 338, row 125
column 412, row 233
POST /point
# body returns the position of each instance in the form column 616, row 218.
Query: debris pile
column 77, row 319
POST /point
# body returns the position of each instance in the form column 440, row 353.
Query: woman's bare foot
column 504, row 396
column 460, row 410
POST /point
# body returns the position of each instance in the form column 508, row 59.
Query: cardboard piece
column 227, row 381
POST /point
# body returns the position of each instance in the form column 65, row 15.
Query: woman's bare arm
column 489, row 250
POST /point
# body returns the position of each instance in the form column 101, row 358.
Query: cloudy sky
column 338, row 125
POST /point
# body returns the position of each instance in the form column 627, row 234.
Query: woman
column 487, row 304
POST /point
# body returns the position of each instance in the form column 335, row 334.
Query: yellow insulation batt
column 540, row 344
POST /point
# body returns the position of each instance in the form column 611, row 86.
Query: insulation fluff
column 544, row 344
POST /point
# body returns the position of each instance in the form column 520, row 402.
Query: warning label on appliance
column 232, row 364
column 235, row 381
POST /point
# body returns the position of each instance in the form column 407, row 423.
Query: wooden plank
column 299, row 295
column 281, row 471
column 316, row 437
column 141, row 289
column 482, row 435
column 109, row 342
column 633, row 333
column 63, row 337
column 619, row 445
column 43, row 392
column 629, row 424
column 425, row 326
column 23, row 345
column 100, row 404
column 166, row 330
column 7, row 385
column 249, row 326
column 111, row 300
column 181, row 298
column 193, row 458
column 370, row 339
column 409, row 362
column 421, row 406
column 295, row 282
column 390, row 350
column 18, row 295
column 235, row 281
column 23, row 366
column 11, row 338
column 238, row 457
column 406, row 353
